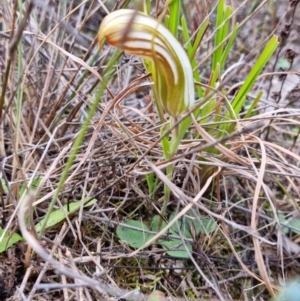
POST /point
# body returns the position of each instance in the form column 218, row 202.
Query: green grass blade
column 254, row 73
column 174, row 17
column 239, row 100
column 199, row 37
column 229, row 46
column 152, row 181
column 225, row 30
column 219, row 35
column 165, row 142
column 253, row 105
column 184, row 125
column 190, row 50
column 186, row 36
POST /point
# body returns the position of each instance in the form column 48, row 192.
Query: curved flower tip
column 141, row 35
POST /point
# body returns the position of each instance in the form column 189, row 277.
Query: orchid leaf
column 134, row 233
column 8, row 240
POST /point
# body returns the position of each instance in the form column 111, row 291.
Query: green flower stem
column 169, row 170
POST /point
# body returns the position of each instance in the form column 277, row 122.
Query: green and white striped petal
column 142, row 35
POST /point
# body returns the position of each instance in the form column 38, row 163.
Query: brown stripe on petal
column 139, row 34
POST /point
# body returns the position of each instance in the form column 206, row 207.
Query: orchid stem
column 169, row 169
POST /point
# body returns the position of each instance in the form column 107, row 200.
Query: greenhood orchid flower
column 142, row 35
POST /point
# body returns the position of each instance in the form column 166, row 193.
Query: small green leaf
column 35, row 183
column 59, row 215
column 155, row 223
column 136, row 238
column 192, row 222
column 295, row 223
column 8, row 240
column 206, row 225
column 282, row 220
column 156, row 296
column 134, row 233
column 283, row 64
column 165, row 142
column 181, row 225
column 152, row 182
column 290, row 293
column 175, row 247
column 4, row 187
